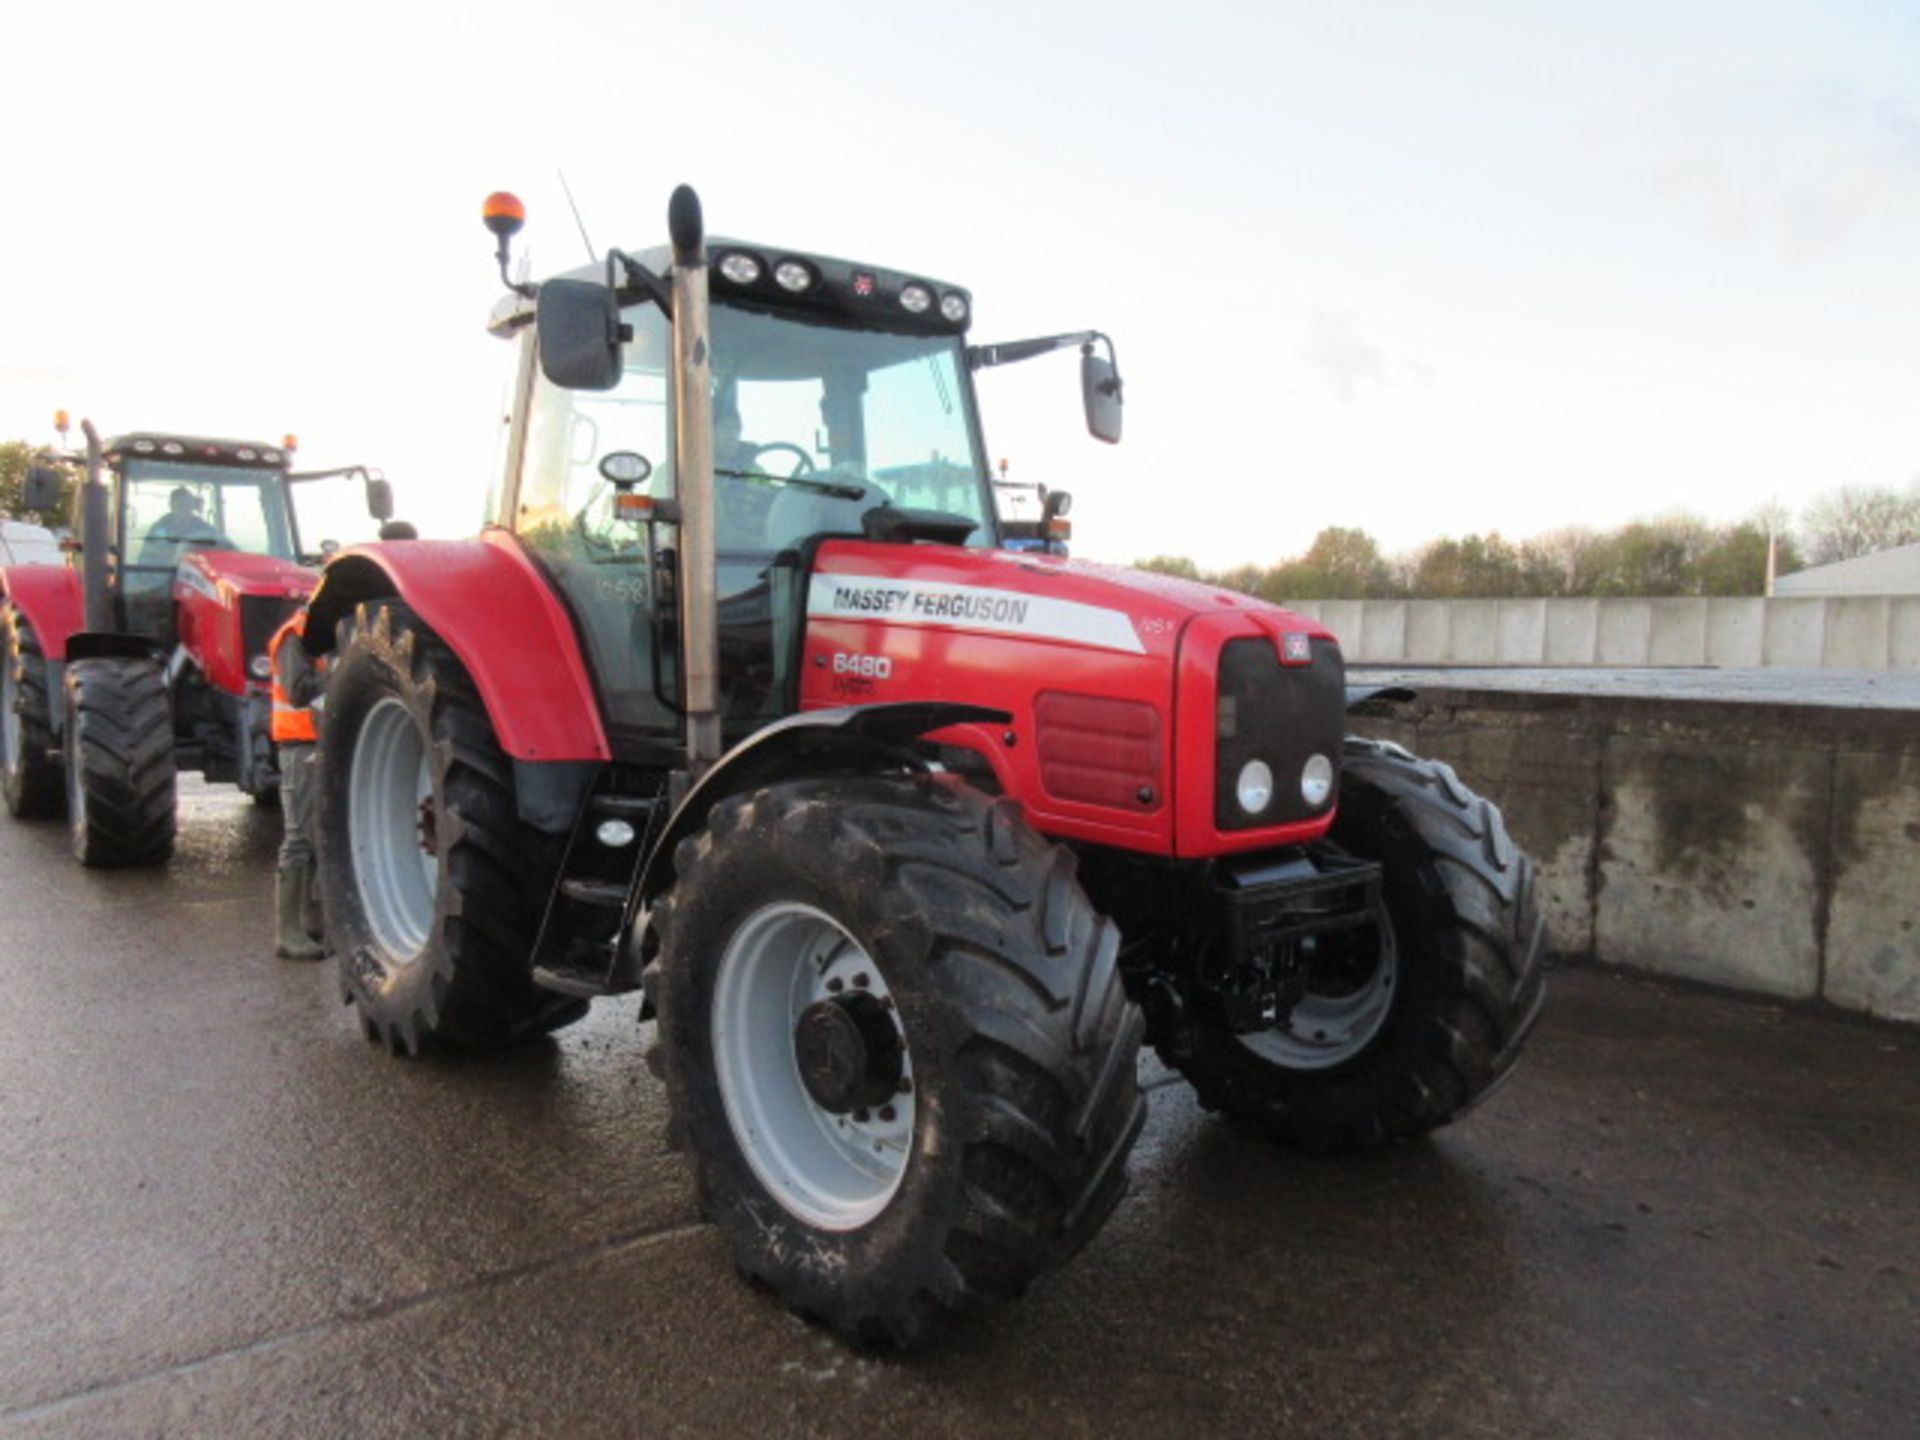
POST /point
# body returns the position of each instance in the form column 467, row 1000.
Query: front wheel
column 1407, row 1023
column 429, row 881
column 119, row 762
column 895, row 1039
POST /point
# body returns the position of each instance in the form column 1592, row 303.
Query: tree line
column 1670, row 555
column 15, row 458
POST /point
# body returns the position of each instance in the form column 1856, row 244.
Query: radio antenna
column 567, row 190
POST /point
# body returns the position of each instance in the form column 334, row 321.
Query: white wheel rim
column 836, row 1172
column 76, row 792
column 10, row 740
column 392, row 831
column 1324, row 1030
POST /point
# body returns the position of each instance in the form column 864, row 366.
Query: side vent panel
column 1101, row 751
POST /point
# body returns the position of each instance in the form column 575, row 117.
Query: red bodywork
column 207, row 590
column 49, row 596
column 1109, row 675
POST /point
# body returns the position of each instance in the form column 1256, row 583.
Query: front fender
column 851, row 740
column 49, row 596
column 496, row 611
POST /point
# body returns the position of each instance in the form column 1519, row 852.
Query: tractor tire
column 1451, row 986
column 30, row 779
column 119, row 762
column 896, row 1042
column 431, row 887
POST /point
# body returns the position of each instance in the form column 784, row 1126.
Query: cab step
column 582, row 948
column 586, row 976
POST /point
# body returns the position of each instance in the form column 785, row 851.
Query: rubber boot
column 310, row 914
column 290, row 915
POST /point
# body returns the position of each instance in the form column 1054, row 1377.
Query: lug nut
column 886, row 1112
column 862, row 980
column 836, row 984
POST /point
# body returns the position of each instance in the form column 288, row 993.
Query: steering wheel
column 805, row 465
column 184, row 543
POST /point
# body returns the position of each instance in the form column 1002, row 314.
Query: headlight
column 614, row 834
column 1316, row 780
column 1254, row 787
column 740, row 267
column 260, row 667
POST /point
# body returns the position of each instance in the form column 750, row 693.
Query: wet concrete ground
column 222, row 1213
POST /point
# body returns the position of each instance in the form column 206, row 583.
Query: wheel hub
column 849, row 1053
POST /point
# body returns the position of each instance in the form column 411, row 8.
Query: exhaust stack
column 693, row 405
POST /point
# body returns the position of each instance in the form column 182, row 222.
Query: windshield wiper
column 825, row 487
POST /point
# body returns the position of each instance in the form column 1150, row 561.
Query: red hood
column 1187, row 596
column 1114, row 608
column 246, row 574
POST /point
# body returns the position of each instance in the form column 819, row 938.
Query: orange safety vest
column 291, row 724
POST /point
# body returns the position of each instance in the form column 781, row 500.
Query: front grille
column 1281, row 714
column 260, row 616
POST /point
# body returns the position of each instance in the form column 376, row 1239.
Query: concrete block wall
column 1855, row 632
column 1770, row 848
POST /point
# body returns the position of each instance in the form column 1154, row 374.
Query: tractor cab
column 841, row 403
column 173, row 496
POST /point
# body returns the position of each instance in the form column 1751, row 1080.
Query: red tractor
column 146, row 655
column 907, row 840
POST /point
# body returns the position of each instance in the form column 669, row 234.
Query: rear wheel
column 895, row 1039
column 430, row 884
column 119, row 762
column 1411, row 1026
column 30, row 780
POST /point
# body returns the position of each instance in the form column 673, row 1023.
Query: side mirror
column 1100, row 385
column 40, row 488
column 1058, row 503
column 578, row 323
column 379, row 498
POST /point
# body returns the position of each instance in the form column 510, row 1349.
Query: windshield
column 171, row 506
column 870, row 419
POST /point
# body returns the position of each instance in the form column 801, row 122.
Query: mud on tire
column 430, row 884
column 1469, row 980
column 119, row 762
column 30, row 782
column 1020, row 1046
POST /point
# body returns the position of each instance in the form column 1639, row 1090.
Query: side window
column 565, row 502
column 240, row 515
column 567, row 515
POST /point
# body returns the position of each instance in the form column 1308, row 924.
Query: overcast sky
column 1421, row 268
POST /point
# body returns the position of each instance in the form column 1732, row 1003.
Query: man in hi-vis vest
column 296, row 695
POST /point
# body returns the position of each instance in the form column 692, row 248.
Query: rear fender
column 497, row 612
column 49, row 596
column 852, row 740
